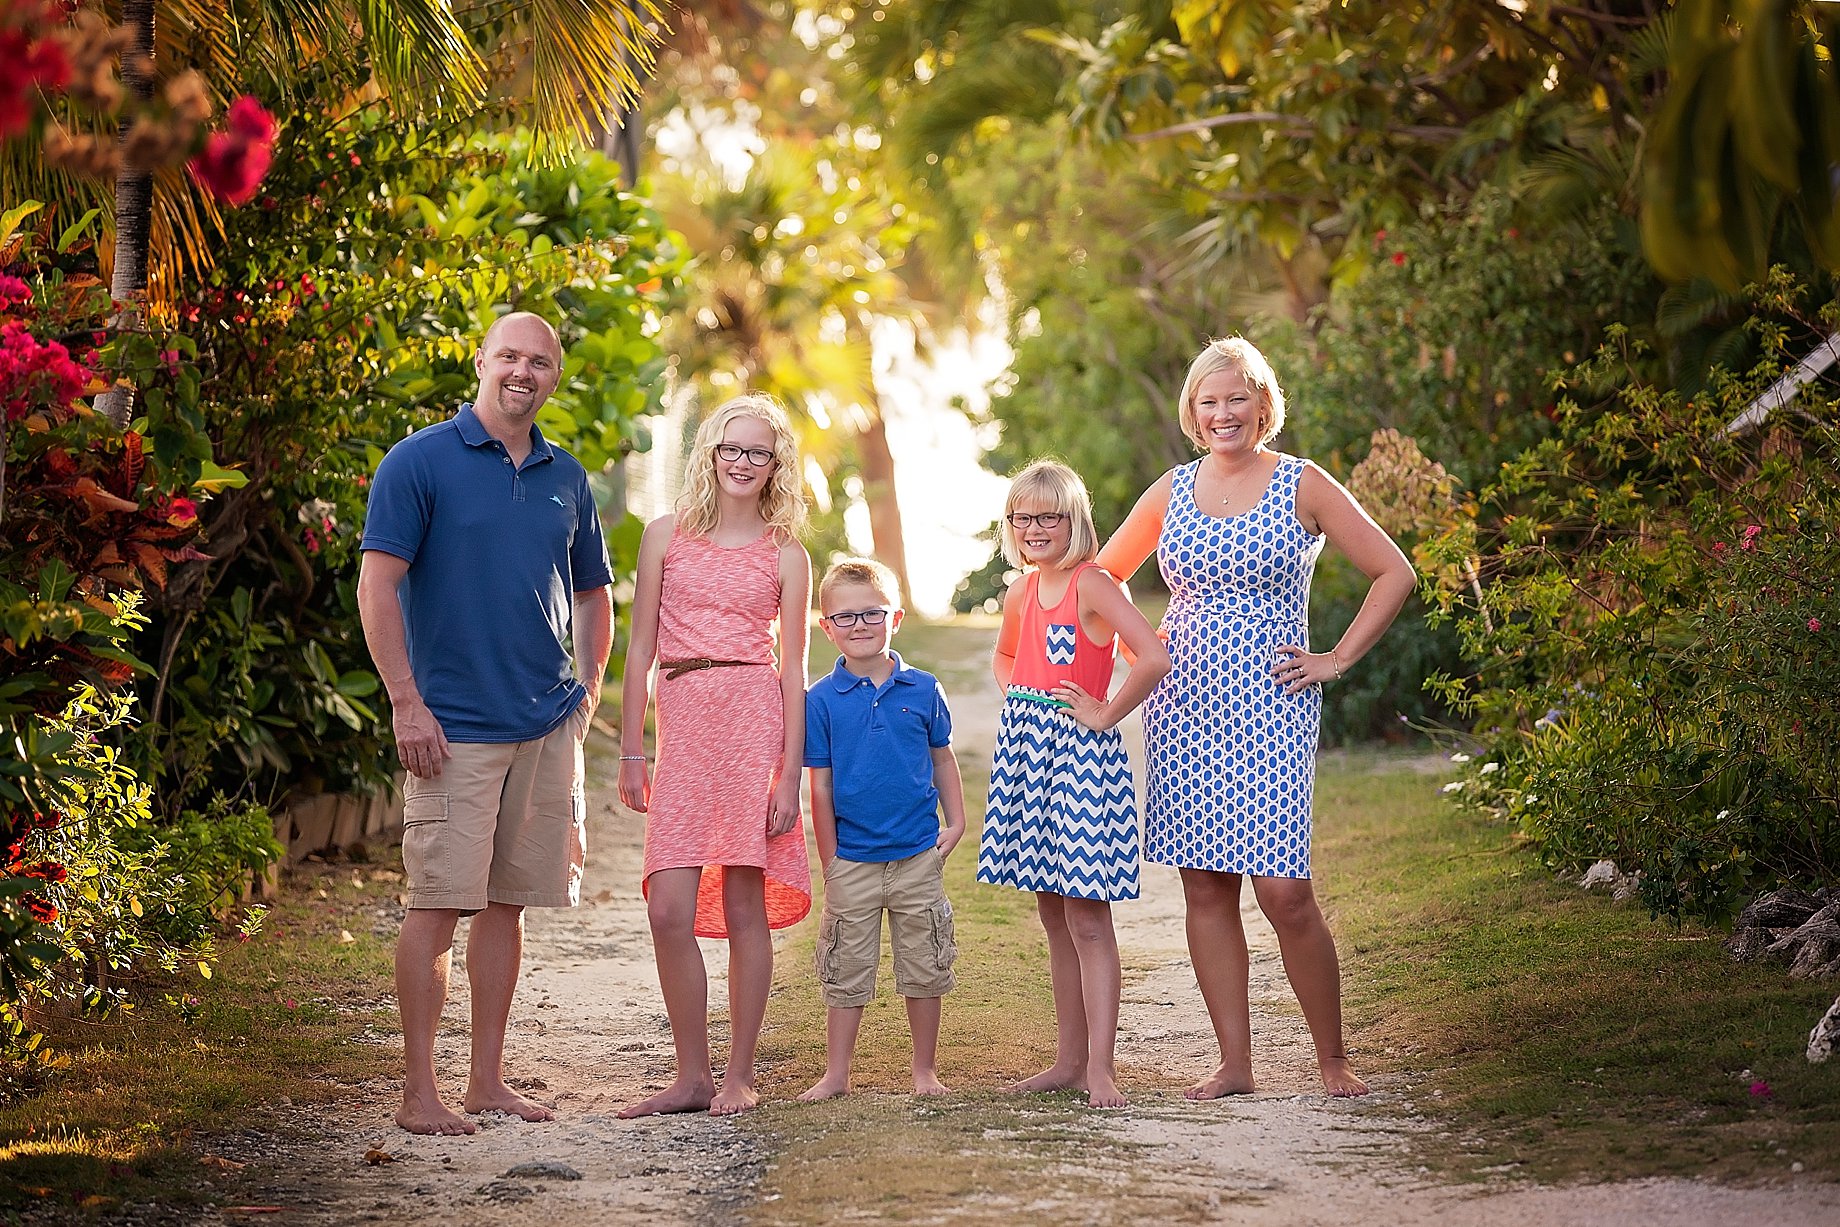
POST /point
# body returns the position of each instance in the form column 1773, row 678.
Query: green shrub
column 1657, row 636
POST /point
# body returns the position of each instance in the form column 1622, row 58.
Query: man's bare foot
column 1225, row 1080
column 928, row 1083
column 733, row 1099
column 1102, row 1091
column 1054, row 1078
column 1339, row 1078
column 430, row 1116
column 680, row 1096
column 824, row 1088
column 503, row 1099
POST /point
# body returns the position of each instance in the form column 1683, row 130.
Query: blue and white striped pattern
column 1062, row 812
column 1062, row 643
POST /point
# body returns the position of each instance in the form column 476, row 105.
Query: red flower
column 13, row 290
column 46, row 822
column 41, row 909
column 1399, row 258
column 178, row 511
column 1814, row 624
column 234, row 161
column 44, row 871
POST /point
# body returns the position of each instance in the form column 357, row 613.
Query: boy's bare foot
column 1102, row 1091
column 1053, row 1078
column 431, row 1117
column 1226, row 1080
column 928, row 1083
column 1339, row 1078
column 824, row 1088
column 503, row 1099
column 733, row 1099
column 680, row 1096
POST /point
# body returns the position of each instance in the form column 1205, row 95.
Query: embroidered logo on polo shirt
column 556, row 499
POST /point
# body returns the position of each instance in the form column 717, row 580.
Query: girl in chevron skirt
column 1061, row 819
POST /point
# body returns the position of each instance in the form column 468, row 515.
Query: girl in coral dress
column 724, row 846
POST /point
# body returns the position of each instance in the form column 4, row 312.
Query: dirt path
column 588, row 1032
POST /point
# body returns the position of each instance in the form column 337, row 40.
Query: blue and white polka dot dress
column 1231, row 758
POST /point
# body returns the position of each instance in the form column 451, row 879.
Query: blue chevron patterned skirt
column 1062, row 814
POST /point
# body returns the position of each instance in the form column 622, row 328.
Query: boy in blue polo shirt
column 878, row 741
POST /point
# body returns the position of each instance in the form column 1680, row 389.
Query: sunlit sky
column 946, row 497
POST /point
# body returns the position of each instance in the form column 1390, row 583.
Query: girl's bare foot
column 419, row 1116
column 733, row 1099
column 1339, row 1078
column 682, row 1095
column 1054, row 1078
column 1102, row 1091
column 824, row 1088
column 928, row 1083
column 1227, row 1079
column 503, row 1099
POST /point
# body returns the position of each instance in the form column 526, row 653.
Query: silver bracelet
column 634, row 758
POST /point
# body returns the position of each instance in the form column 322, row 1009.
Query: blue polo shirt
column 878, row 743
column 496, row 554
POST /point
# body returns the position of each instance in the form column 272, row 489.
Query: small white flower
column 1723, row 815
column 1530, row 798
column 1490, row 768
column 1459, row 758
column 1453, row 786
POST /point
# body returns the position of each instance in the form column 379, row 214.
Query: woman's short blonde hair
column 1233, row 354
column 1052, row 486
column 782, row 499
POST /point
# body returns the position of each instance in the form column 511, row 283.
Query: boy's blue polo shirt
column 496, row 554
column 878, row 743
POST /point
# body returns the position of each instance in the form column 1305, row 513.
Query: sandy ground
column 588, row 1034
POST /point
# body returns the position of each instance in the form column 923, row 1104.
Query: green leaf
column 75, row 230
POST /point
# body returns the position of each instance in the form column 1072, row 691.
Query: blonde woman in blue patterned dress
column 1230, row 735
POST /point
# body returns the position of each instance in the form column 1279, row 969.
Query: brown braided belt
column 677, row 668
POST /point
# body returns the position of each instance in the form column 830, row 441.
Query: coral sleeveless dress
column 1061, row 817
column 722, row 731
column 1230, row 758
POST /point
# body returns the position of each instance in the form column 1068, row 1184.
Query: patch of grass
column 1551, row 1028
column 120, row 1110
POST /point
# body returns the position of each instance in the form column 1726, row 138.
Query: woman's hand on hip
column 1297, row 669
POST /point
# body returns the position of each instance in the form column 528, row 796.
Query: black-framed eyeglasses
column 868, row 617
column 759, row 457
column 1045, row 519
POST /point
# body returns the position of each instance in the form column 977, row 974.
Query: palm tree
column 563, row 66
column 797, row 264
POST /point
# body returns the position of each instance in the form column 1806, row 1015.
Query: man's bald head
column 524, row 325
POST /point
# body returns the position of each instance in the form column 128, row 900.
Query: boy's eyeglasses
column 1046, row 519
column 868, row 617
column 759, row 457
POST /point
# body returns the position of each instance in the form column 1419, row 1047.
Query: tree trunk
column 878, row 492
column 133, row 207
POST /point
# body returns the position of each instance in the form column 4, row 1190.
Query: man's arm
column 421, row 743
column 593, row 632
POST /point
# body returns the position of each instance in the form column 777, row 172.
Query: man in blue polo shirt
column 483, row 565
column 878, row 741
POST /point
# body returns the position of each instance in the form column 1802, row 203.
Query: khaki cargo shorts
column 913, row 893
column 502, row 823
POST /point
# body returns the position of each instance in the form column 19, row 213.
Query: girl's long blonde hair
column 782, row 499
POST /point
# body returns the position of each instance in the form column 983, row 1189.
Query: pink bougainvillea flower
column 234, row 161
column 13, row 290
column 1761, row 1090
